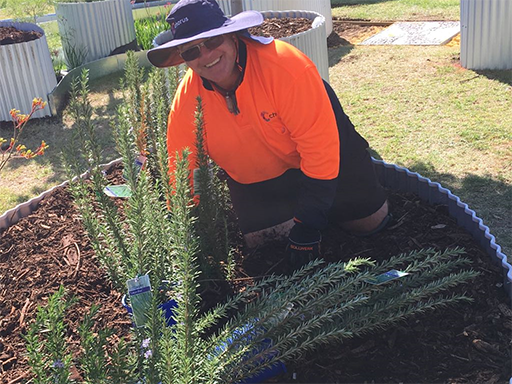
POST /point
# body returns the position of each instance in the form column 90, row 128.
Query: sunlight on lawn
column 420, row 109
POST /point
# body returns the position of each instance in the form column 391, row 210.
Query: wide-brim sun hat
column 200, row 19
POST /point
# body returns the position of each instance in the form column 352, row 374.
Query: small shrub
column 51, row 360
column 276, row 319
column 74, row 54
column 57, row 62
column 12, row 148
column 148, row 28
column 27, row 9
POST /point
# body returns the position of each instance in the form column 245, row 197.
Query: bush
column 276, row 319
column 148, row 28
column 27, row 9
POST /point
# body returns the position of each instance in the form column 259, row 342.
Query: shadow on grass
column 488, row 196
column 57, row 132
column 503, row 76
column 336, row 54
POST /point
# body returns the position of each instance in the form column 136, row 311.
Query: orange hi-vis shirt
column 285, row 121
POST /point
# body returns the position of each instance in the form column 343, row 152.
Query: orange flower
column 38, row 102
column 42, row 148
column 19, row 121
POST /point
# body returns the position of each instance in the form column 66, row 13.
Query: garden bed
column 11, row 35
column 345, row 32
column 465, row 344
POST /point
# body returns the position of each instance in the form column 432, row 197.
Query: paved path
column 416, row 33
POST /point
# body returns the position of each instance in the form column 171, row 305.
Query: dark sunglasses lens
column 214, row 42
column 190, row 54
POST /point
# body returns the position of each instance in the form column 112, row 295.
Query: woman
column 292, row 156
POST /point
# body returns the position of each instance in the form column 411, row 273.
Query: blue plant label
column 139, row 163
column 139, row 291
column 386, row 276
column 121, row 190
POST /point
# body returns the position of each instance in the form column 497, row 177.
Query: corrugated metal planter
column 312, row 42
column 391, row 176
column 402, row 180
column 322, row 7
column 97, row 68
column 486, row 34
column 26, row 72
column 91, row 31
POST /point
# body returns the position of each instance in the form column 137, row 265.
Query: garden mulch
column 468, row 343
column 11, row 35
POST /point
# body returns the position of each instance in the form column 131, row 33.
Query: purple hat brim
column 167, row 55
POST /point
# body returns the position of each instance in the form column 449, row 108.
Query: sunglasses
column 194, row 52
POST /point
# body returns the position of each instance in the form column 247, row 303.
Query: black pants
column 271, row 202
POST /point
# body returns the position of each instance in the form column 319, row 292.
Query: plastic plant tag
column 139, row 290
column 121, row 190
column 139, row 163
column 386, row 276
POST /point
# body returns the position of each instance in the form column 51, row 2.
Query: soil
column 11, row 35
column 465, row 344
column 468, row 343
column 344, row 32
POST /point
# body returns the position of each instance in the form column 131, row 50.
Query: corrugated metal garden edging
column 312, row 42
column 95, row 29
column 22, row 210
column 322, row 7
column 486, row 34
column 391, row 176
column 403, row 180
column 26, row 72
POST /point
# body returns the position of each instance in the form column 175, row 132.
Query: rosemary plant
column 45, row 341
column 212, row 210
column 162, row 232
column 50, row 357
column 148, row 104
column 99, row 213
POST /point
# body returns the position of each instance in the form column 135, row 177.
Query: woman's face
column 217, row 65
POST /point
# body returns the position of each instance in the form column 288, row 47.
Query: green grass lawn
column 394, row 10
column 420, row 109
column 23, row 179
column 137, row 13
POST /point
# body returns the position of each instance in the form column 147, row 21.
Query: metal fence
column 486, row 34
